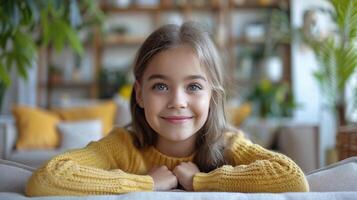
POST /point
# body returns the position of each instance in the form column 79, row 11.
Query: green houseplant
column 272, row 99
column 336, row 54
column 27, row 25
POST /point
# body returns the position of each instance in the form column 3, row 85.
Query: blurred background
column 290, row 69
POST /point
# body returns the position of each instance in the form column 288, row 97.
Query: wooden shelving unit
column 114, row 40
column 221, row 13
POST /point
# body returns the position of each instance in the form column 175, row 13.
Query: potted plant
column 26, row 26
column 272, row 99
column 336, row 53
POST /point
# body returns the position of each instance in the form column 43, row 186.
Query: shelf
column 160, row 8
column 220, row 12
column 109, row 8
column 207, row 7
column 68, row 85
column 255, row 5
column 113, row 40
column 247, row 41
column 244, row 81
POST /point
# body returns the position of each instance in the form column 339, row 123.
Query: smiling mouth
column 177, row 119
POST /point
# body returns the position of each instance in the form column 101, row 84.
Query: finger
column 175, row 171
column 153, row 168
column 164, row 167
column 173, row 181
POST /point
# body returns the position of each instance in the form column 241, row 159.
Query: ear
column 138, row 95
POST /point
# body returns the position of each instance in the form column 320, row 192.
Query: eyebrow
column 190, row 77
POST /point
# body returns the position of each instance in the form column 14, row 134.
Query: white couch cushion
column 78, row 134
column 123, row 116
column 341, row 176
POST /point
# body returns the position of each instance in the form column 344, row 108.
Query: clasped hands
column 183, row 174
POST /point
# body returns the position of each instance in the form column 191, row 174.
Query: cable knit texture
column 114, row 165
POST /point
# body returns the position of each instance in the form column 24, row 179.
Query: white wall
column 304, row 85
column 20, row 91
column 27, row 89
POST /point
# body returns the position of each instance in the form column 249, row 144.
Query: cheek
column 152, row 105
column 201, row 107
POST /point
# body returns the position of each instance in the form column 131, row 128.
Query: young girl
column 179, row 137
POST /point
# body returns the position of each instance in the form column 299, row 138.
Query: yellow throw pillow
column 105, row 112
column 236, row 115
column 36, row 128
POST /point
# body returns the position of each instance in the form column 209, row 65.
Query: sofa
column 333, row 182
column 93, row 129
column 33, row 158
column 298, row 141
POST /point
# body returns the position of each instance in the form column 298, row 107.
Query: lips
column 177, row 119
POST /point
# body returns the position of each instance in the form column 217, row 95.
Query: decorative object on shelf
column 245, row 68
column 239, row 2
column 147, row 3
column 278, row 32
column 272, row 99
column 119, row 29
column 248, row 59
column 265, row 2
column 199, row 3
column 121, row 3
column 125, row 91
column 180, row 3
column 111, row 81
column 274, row 68
column 76, row 73
column 173, row 18
column 255, row 31
column 55, row 75
column 336, row 53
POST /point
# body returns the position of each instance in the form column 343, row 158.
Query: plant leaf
column 4, row 75
column 73, row 39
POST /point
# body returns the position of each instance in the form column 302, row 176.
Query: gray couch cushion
column 340, row 176
column 13, row 176
column 33, row 158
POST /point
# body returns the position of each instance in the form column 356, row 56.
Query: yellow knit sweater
column 114, row 165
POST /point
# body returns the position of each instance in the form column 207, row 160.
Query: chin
column 178, row 137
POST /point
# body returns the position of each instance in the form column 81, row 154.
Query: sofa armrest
column 300, row 142
column 8, row 135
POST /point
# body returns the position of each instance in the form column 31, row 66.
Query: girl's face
column 175, row 94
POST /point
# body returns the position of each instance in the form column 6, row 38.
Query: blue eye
column 160, row 87
column 194, row 87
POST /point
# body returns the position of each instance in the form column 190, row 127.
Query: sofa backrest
column 8, row 135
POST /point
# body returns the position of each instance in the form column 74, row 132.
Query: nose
column 178, row 99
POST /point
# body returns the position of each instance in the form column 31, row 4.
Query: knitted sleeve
column 91, row 170
column 253, row 169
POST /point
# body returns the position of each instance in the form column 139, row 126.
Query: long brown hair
column 209, row 144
